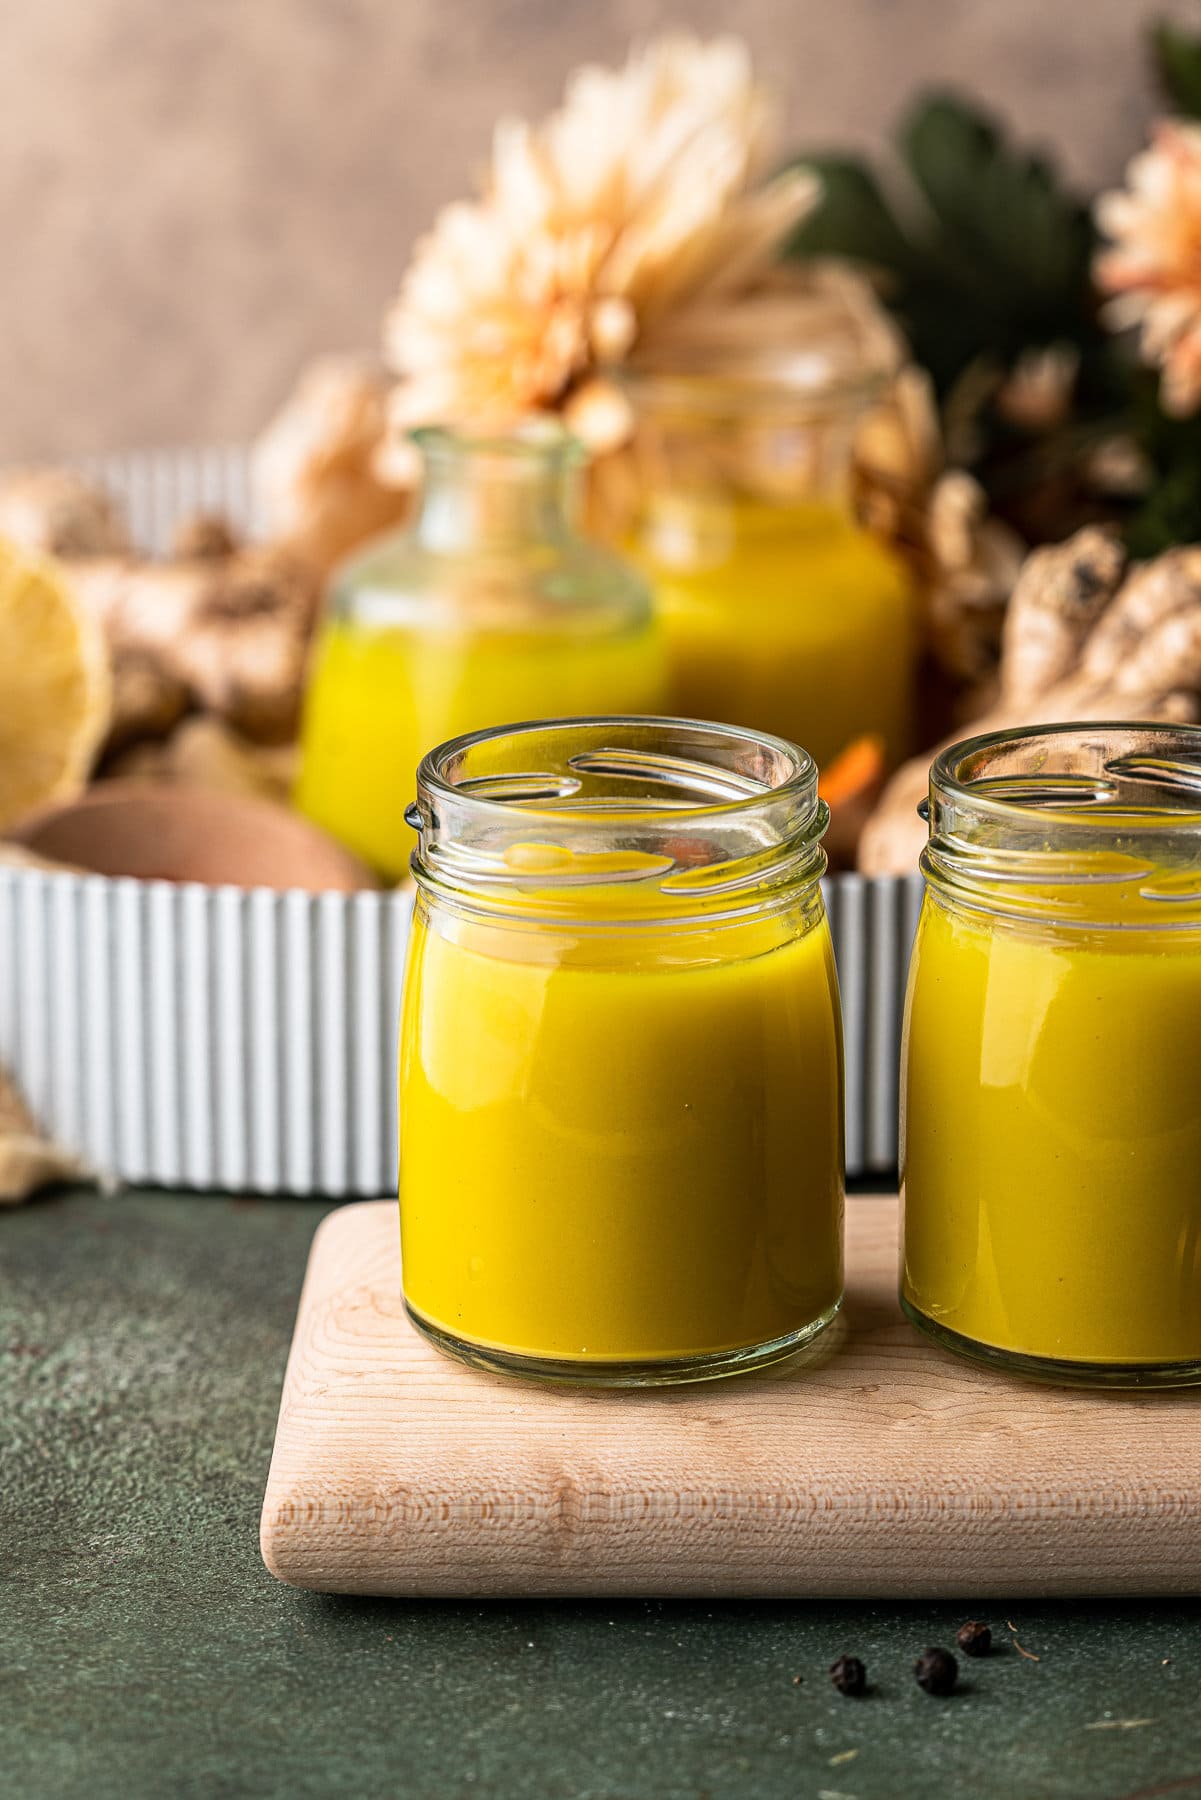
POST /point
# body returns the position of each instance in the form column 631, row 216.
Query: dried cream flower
column 1036, row 395
column 1154, row 266
column 633, row 201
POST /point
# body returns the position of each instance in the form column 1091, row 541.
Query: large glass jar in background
column 621, row 1053
column 488, row 609
column 779, row 611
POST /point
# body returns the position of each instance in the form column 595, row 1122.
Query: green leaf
column 852, row 219
column 1177, row 57
column 989, row 257
column 1015, row 245
column 1170, row 512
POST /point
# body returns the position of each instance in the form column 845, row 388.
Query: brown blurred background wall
column 197, row 194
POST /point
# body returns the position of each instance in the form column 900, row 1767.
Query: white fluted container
column 245, row 1039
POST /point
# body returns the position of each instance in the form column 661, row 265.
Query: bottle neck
column 494, row 492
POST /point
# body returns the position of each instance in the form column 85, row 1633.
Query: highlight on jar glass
column 1051, row 1112
column 780, row 612
column 621, row 1153
column 489, row 607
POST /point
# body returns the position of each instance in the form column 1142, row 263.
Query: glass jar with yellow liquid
column 1051, row 1114
column 487, row 610
column 780, row 612
column 620, row 1054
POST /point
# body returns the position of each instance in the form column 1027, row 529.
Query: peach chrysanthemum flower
column 638, row 197
column 1153, row 267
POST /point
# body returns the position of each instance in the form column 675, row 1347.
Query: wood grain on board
column 879, row 1467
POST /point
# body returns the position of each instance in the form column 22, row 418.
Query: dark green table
column 145, row 1651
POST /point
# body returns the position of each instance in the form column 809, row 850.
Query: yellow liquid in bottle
column 1051, row 1142
column 621, row 1145
column 379, row 698
column 783, row 618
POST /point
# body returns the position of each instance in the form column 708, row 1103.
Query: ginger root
column 316, row 468
column 60, row 514
column 965, row 560
column 148, row 701
column 205, row 537
column 28, row 1161
column 232, row 633
column 216, row 628
column 204, row 752
column 1084, row 639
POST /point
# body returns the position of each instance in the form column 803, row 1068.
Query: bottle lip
column 697, row 813
column 537, row 438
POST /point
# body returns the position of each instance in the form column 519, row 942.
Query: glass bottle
column 621, row 1055
column 1051, row 1113
column 488, row 608
column 780, row 612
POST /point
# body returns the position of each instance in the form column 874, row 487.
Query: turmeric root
column 850, row 786
column 1083, row 639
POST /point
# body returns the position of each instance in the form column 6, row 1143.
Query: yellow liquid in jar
column 378, row 699
column 608, row 1154
column 1051, row 1143
column 789, row 619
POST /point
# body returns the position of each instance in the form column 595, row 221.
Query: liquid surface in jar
column 621, row 1144
column 789, row 619
column 379, row 698
column 1052, row 1130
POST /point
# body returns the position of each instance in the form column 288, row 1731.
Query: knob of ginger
column 1084, row 638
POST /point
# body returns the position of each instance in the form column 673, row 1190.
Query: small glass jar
column 488, row 607
column 621, row 1060
column 780, row 612
column 1051, row 1114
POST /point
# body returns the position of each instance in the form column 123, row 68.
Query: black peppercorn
column 974, row 1638
column 849, row 1676
column 936, row 1671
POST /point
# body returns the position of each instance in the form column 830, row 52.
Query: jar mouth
column 1079, row 774
column 681, row 808
column 1097, row 823
column 799, row 384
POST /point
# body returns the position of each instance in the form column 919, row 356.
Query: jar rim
column 754, row 383
column 800, row 783
column 1078, row 797
column 1094, row 824
column 699, row 815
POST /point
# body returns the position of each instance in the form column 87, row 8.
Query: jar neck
column 709, row 442
column 481, row 492
column 1097, row 826
column 622, row 821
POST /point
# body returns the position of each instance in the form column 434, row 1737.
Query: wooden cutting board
column 880, row 1467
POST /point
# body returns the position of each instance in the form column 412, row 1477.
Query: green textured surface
column 144, row 1650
